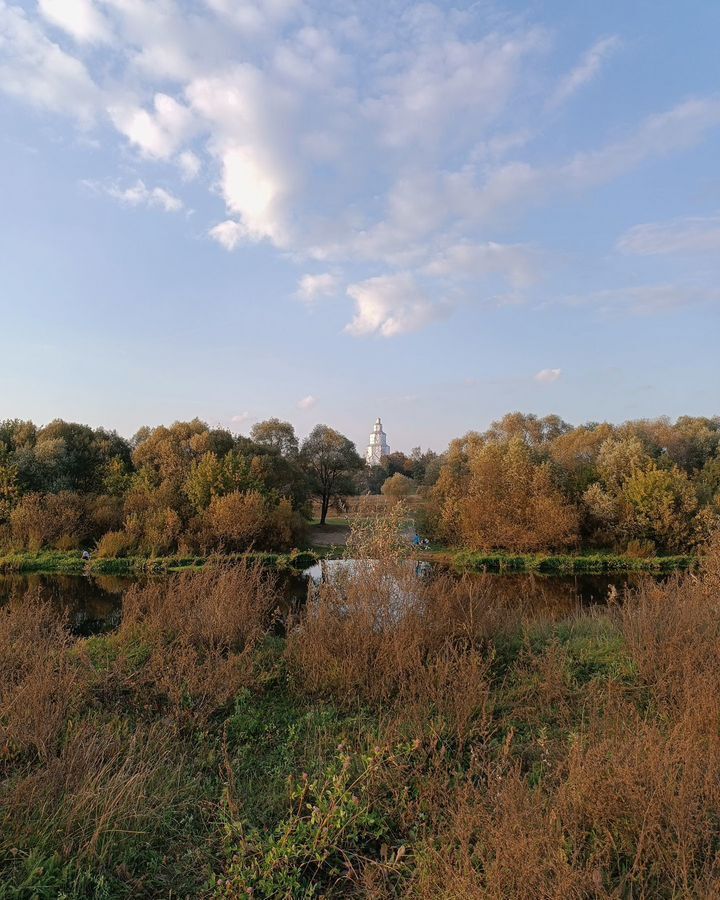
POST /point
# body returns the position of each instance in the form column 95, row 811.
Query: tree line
column 183, row 488
column 525, row 484
column 529, row 483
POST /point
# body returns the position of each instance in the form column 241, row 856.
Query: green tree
column 660, row 505
column 278, row 435
column 329, row 459
column 9, row 487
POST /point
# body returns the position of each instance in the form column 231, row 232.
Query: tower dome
column 378, row 447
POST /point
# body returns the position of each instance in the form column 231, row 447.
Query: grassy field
column 468, row 748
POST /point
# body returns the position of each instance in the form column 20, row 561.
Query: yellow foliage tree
column 508, row 500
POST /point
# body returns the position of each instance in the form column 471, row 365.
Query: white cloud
column 139, row 194
column 190, row 165
column 241, row 418
column 38, row 71
column 392, row 304
column 307, row 402
column 251, row 124
column 253, row 191
column 169, row 202
column 698, row 234
column 588, row 68
column 228, row 234
column 79, row 18
column 253, row 18
column 676, row 129
column 165, row 40
column 518, row 263
column 515, row 186
column 547, row 376
column 311, row 287
column 159, row 133
column 397, row 143
column 441, row 81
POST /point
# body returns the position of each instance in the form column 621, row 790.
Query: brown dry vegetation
column 588, row 767
column 409, row 737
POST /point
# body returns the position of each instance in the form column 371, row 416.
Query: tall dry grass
column 76, row 784
column 92, row 752
column 370, row 630
column 197, row 634
column 585, row 764
column 40, row 685
column 105, row 788
column 486, row 750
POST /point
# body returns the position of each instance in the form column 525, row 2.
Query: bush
column 114, row 544
column 397, row 486
column 640, row 549
column 49, row 520
column 238, row 520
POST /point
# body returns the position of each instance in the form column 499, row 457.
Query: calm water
column 94, row 603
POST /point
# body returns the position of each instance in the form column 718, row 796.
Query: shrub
column 114, row 544
column 640, row 549
column 398, row 486
column 49, row 520
column 239, row 519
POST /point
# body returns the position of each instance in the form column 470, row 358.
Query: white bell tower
column 378, row 446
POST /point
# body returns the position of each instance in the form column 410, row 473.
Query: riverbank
column 557, row 564
column 53, row 562
column 71, row 563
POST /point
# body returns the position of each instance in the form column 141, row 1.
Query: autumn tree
column 531, row 429
column 9, row 486
column 505, row 498
column 239, row 518
column 278, row 435
column 329, row 460
column 660, row 505
column 398, row 486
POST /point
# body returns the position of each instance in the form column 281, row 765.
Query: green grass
column 330, row 522
column 71, row 563
column 559, row 564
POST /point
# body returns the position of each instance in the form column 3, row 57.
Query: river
column 94, row 603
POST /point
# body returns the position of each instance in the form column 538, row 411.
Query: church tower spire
column 378, row 447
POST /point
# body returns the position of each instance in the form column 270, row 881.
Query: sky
column 328, row 211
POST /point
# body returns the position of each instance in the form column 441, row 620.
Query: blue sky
column 329, row 211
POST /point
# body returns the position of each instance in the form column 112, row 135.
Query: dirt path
column 329, row 536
